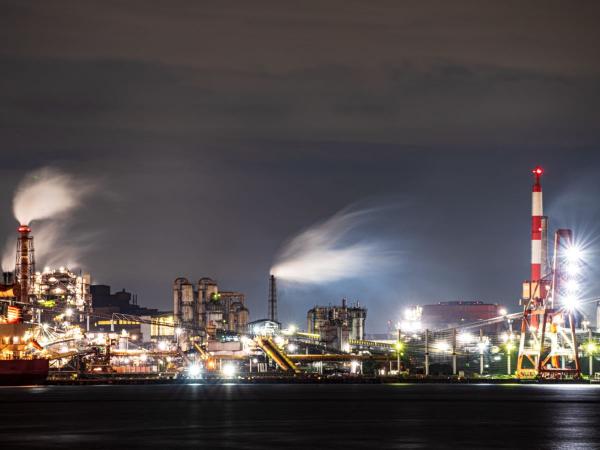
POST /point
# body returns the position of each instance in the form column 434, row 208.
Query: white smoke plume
column 331, row 251
column 47, row 193
column 9, row 255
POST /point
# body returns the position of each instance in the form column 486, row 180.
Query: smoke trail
column 45, row 194
column 9, row 255
column 59, row 246
column 330, row 251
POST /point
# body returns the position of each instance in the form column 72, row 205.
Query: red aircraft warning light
column 24, row 229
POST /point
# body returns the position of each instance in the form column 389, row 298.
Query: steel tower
column 548, row 346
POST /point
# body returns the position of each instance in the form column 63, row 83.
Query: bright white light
column 571, row 302
column 573, row 269
column 465, row 337
column 229, row 370
column 163, row 345
column 194, row 370
column 279, row 341
column 354, row 365
column 290, row 330
column 413, row 313
column 442, row 346
column 573, row 254
column 410, row 326
column 68, row 312
column 572, row 287
column 503, row 311
column 178, row 331
column 482, row 346
column 292, row 348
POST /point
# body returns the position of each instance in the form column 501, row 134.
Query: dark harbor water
column 300, row 416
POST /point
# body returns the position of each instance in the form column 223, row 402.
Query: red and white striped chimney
column 537, row 212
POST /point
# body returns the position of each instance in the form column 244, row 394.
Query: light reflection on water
column 294, row 416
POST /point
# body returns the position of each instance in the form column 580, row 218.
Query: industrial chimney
column 272, row 299
column 25, row 264
column 536, row 227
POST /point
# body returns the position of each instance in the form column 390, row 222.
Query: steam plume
column 45, row 194
column 9, row 255
column 332, row 250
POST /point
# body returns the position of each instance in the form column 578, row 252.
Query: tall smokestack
column 545, row 261
column 537, row 213
column 25, row 266
column 272, row 299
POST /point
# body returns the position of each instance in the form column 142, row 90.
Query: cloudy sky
column 219, row 130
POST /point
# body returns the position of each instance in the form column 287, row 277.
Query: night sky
column 219, row 130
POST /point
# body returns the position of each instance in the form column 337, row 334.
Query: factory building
column 158, row 327
column 122, row 302
column 204, row 306
column 452, row 314
column 336, row 325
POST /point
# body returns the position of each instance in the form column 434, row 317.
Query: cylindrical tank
column 178, row 299
column 358, row 325
column 242, row 320
column 187, row 303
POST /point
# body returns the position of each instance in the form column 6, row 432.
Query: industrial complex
column 58, row 326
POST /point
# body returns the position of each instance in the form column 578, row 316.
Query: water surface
column 300, row 416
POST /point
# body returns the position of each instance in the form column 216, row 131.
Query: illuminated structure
column 207, row 308
column 60, row 288
column 456, row 313
column 548, row 346
column 25, row 263
column 539, row 230
column 336, row 325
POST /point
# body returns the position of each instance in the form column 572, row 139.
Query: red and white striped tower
column 537, row 213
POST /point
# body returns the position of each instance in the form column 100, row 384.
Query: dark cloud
column 221, row 129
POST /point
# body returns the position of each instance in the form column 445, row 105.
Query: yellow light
column 591, row 347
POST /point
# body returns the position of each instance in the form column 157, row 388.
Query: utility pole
column 481, row 351
column 426, row 352
column 454, row 351
column 398, row 348
column 590, row 353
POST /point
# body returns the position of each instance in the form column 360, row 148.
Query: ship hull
column 19, row 372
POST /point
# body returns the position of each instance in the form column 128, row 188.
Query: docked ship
column 19, row 372
column 19, row 350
